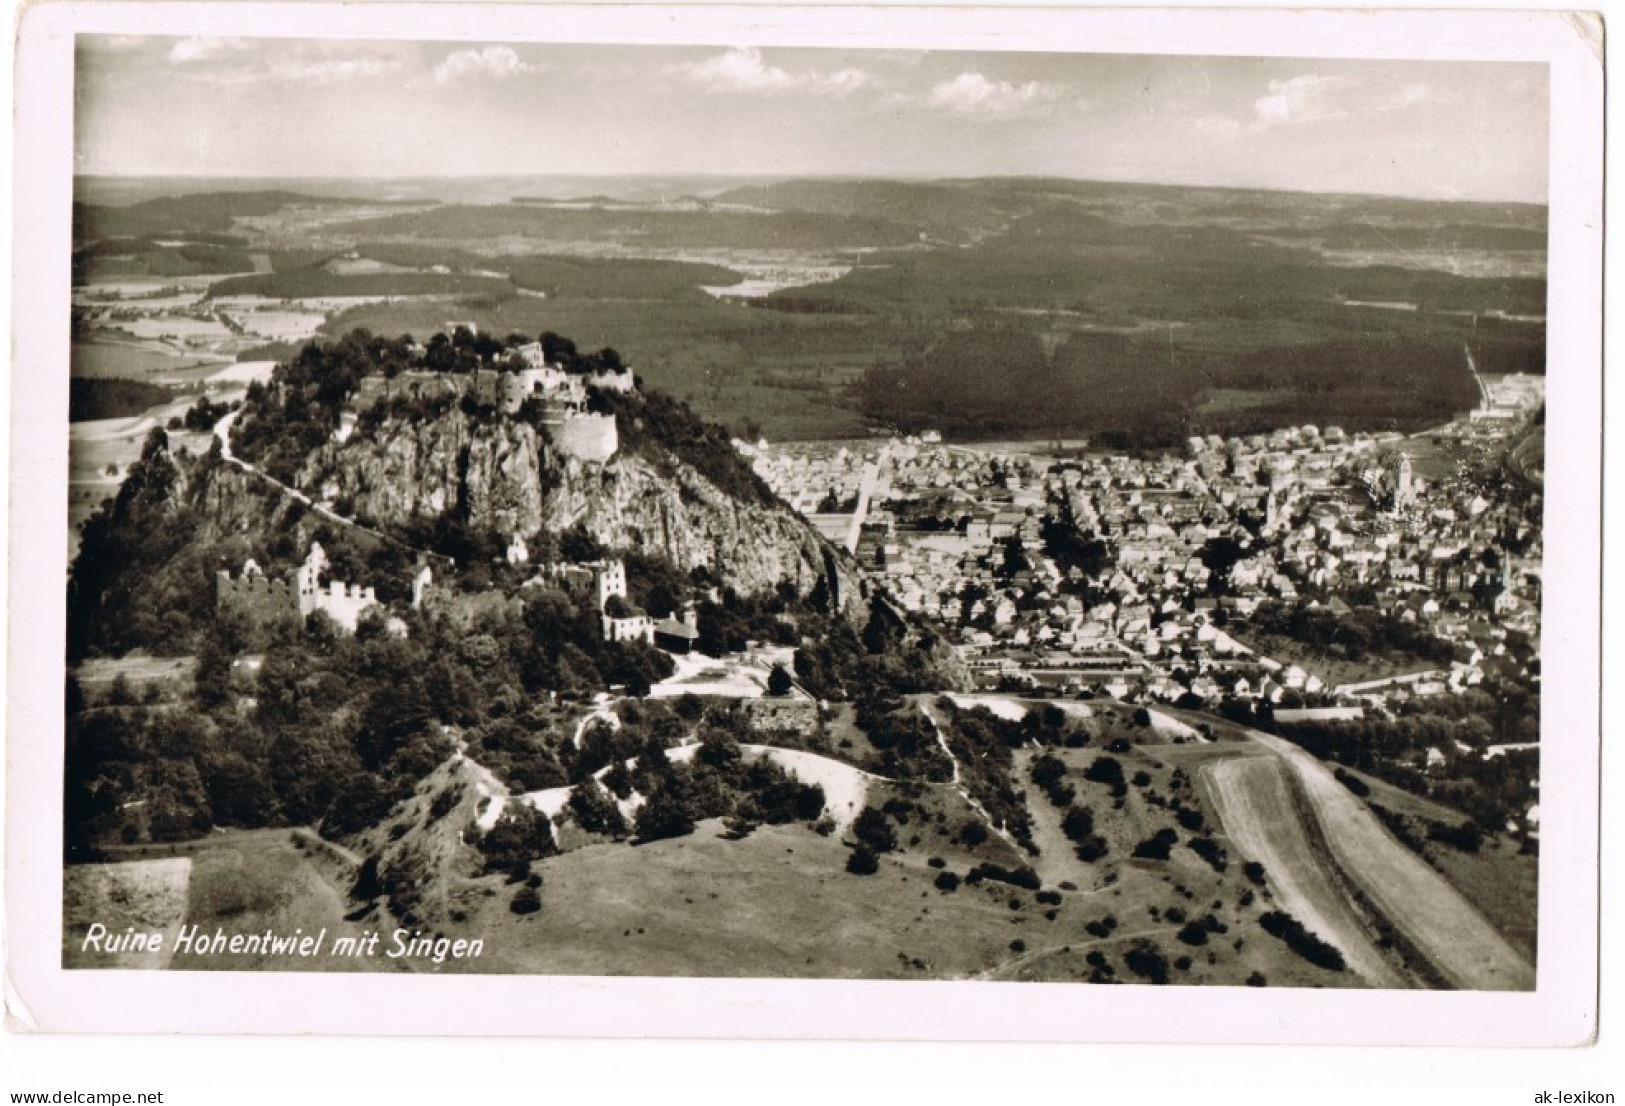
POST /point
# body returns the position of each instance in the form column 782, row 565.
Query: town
column 1076, row 572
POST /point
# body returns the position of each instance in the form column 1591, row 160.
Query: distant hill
column 194, row 212
column 92, row 398
column 657, row 229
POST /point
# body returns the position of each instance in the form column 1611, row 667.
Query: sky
column 351, row 108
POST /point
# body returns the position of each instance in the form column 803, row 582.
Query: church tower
column 1404, row 491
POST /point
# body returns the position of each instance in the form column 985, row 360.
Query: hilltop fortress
column 575, row 431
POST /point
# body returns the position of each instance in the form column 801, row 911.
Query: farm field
column 1435, row 918
column 819, row 309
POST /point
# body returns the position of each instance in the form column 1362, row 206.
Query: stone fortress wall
column 576, row 432
column 256, row 596
column 263, row 600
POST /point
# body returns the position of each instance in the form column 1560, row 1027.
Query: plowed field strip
column 1255, row 803
column 1437, row 921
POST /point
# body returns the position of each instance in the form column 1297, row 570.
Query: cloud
column 278, row 63
column 202, row 49
column 1309, row 99
column 116, row 44
column 744, row 70
column 972, row 94
column 493, row 62
column 333, row 70
column 1305, row 99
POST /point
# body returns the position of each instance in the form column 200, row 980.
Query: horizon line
column 856, row 177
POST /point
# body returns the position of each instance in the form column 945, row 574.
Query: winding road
column 222, row 433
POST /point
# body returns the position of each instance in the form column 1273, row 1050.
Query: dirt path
column 333, row 848
column 958, row 784
column 1253, row 797
column 1441, row 924
column 222, row 433
column 1032, row 956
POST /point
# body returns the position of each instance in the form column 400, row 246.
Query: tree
column 526, row 900
column 862, row 861
column 595, row 811
column 662, row 816
column 874, row 830
column 521, row 835
column 779, row 682
column 367, row 884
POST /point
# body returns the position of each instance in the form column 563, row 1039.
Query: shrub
column 1257, row 980
column 947, row 881
column 1147, row 962
column 1079, row 823
column 1048, row 770
column 1193, row 933
column 1254, row 871
column 1091, row 848
column 1278, row 923
column 874, row 829
column 367, row 884
column 1465, row 837
column 862, row 861
column 525, row 901
column 443, row 802
column 937, row 862
column 1108, row 771
column 1018, row 877
column 1210, row 851
column 1018, row 945
column 973, row 834
column 1352, row 782
column 1158, row 846
column 1189, row 819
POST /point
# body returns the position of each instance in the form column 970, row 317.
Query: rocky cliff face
column 507, row 478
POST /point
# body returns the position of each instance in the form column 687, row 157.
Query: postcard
column 812, row 523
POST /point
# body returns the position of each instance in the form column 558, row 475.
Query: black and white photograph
column 890, row 509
